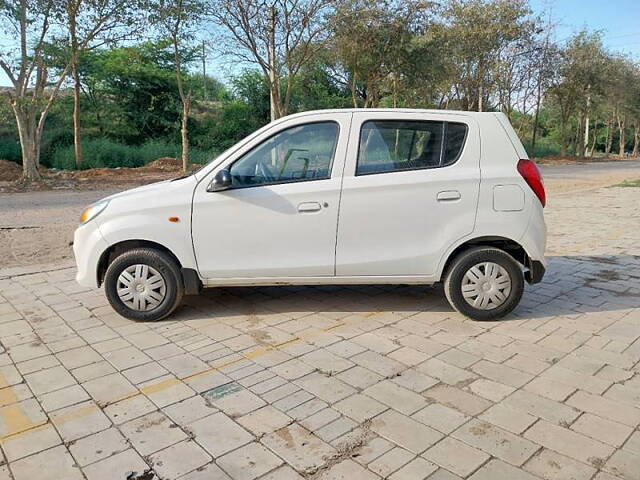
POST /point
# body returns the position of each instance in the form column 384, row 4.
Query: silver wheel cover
column 486, row 286
column 141, row 287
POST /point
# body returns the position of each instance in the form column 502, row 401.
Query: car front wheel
column 144, row 284
column 484, row 283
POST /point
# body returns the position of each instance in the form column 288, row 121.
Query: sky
column 617, row 20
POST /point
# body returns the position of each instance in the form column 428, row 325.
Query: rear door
column 410, row 190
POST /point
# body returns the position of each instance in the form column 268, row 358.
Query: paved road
column 364, row 383
column 45, row 207
column 589, row 169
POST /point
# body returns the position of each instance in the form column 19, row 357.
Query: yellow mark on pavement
column 14, row 422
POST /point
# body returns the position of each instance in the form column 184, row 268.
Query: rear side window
column 392, row 145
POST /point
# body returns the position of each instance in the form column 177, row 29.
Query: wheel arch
column 508, row 245
column 113, row 251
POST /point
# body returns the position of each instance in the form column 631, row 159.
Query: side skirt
column 354, row 280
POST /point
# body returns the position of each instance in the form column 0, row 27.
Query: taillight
column 529, row 171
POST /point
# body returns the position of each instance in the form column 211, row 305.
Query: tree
column 544, row 68
column 106, row 21
column 373, row 41
column 178, row 18
column 581, row 74
column 31, row 97
column 476, row 35
column 280, row 36
column 29, row 65
column 132, row 91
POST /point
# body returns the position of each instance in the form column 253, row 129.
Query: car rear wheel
column 484, row 283
column 144, row 284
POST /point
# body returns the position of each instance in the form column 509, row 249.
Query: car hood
column 146, row 190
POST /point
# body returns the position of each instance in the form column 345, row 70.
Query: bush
column 10, row 150
column 102, row 152
column 545, row 147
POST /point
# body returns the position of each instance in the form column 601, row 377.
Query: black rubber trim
column 535, row 273
column 191, row 280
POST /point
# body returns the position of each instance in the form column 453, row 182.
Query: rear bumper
column 535, row 272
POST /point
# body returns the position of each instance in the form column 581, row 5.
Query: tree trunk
column 29, row 143
column 73, row 7
column 622, row 141
column 77, row 136
column 609, row 140
column 636, row 140
column 354, row 95
column 563, row 137
column 586, row 123
column 274, row 87
column 184, row 131
column 536, row 118
column 593, row 140
column 577, row 144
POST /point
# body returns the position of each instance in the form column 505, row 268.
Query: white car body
column 390, row 227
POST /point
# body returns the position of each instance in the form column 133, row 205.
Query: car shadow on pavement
column 572, row 285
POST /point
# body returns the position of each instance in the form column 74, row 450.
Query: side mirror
column 221, row 181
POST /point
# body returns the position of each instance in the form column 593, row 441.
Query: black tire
column 455, row 274
column 164, row 264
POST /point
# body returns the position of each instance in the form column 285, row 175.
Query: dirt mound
column 9, row 171
column 100, row 172
column 165, row 163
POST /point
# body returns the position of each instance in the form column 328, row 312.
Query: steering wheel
column 265, row 172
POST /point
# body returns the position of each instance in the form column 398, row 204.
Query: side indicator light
column 174, row 219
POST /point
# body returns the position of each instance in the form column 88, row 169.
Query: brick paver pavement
column 337, row 382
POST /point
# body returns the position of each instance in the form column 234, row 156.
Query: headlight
column 93, row 211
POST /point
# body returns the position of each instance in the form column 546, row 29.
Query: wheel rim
column 141, row 287
column 486, row 286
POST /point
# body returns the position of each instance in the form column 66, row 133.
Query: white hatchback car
column 332, row 197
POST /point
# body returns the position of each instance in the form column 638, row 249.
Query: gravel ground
column 37, row 227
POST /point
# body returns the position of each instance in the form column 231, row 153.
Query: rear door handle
column 448, row 196
column 306, row 207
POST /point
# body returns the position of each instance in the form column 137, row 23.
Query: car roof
column 398, row 110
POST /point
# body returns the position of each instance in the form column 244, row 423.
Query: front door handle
column 306, row 207
column 448, row 196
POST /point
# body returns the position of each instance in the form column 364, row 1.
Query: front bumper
column 88, row 247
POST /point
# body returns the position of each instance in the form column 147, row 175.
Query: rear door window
column 394, row 145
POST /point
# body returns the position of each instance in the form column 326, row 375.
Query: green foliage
column 102, row 152
column 544, row 148
column 457, row 54
column 251, row 88
column 10, row 150
column 629, row 184
column 236, row 121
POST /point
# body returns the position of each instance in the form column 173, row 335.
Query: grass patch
column 102, row 152
column 629, row 183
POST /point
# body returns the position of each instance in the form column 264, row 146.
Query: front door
column 410, row 190
column 279, row 218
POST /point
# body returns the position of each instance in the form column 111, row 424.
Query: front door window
column 297, row 154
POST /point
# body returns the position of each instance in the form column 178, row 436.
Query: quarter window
column 392, row 146
column 296, row 154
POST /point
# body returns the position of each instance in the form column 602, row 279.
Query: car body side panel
column 145, row 216
column 499, row 173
